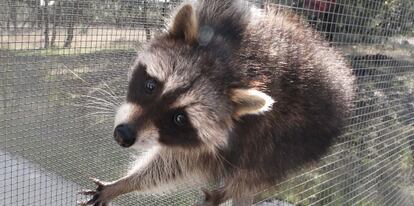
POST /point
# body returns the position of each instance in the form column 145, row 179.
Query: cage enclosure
column 63, row 70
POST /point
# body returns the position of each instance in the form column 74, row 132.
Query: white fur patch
column 174, row 81
column 268, row 100
column 250, row 101
column 125, row 112
column 186, row 99
column 147, row 138
column 155, row 68
column 146, row 159
column 143, row 160
column 256, row 14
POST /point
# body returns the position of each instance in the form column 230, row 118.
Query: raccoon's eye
column 150, row 85
column 180, row 119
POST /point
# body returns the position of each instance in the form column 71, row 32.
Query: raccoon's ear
column 250, row 101
column 185, row 25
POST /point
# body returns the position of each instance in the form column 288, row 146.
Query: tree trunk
column 34, row 14
column 53, row 40
column 71, row 23
column 119, row 20
column 146, row 22
column 57, row 13
column 39, row 15
column 69, row 35
column 46, row 22
column 164, row 11
column 12, row 14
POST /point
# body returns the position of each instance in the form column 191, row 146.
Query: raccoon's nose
column 124, row 135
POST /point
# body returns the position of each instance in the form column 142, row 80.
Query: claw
column 87, row 192
column 82, row 203
column 96, row 181
column 96, row 194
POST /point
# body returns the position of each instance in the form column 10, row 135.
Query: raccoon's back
column 312, row 86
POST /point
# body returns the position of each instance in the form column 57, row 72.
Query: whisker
column 101, row 104
column 93, row 97
column 96, row 107
column 109, row 105
column 94, row 113
column 115, row 101
column 98, row 122
column 112, row 91
column 98, row 99
column 76, row 75
column 105, row 93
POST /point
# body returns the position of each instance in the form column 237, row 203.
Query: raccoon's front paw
column 101, row 196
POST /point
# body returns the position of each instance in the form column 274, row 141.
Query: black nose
column 124, row 135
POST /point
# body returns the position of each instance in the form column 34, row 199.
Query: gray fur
column 271, row 52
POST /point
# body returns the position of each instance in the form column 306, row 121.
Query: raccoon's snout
column 124, row 135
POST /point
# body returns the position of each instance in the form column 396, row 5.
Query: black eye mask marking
column 143, row 89
column 176, row 129
column 174, row 126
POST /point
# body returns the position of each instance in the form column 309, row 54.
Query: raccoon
column 231, row 92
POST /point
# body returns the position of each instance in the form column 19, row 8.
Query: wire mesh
column 63, row 66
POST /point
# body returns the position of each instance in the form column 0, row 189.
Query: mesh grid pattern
column 63, row 66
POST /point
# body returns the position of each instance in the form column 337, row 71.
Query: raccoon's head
column 180, row 95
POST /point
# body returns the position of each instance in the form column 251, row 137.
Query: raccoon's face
column 169, row 102
column 174, row 99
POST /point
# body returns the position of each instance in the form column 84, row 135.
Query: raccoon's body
column 230, row 93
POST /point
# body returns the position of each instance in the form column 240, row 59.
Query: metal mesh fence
column 63, row 64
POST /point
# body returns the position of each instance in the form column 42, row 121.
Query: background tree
column 340, row 21
column 56, row 20
column 72, row 15
column 12, row 19
column 46, row 22
column 345, row 21
column 147, row 20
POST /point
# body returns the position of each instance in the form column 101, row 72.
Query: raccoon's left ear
column 250, row 101
column 185, row 25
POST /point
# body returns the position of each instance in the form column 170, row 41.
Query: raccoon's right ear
column 250, row 101
column 185, row 25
